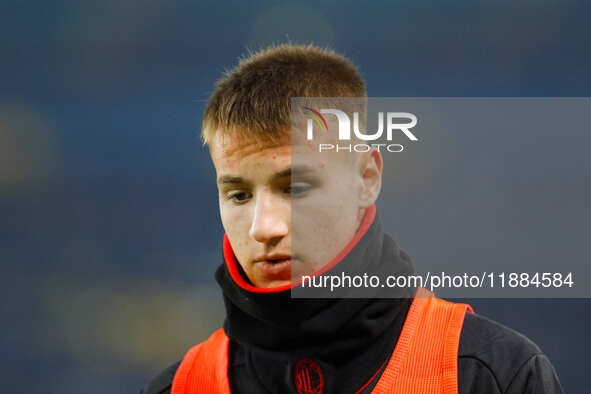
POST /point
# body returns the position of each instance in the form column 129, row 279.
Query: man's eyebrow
column 291, row 171
column 231, row 179
column 294, row 171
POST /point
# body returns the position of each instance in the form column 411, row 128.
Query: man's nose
column 270, row 219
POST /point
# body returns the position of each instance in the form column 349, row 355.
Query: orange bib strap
column 425, row 359
column 204, row 368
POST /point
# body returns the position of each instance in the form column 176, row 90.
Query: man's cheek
column 227, row 218
column 236, row 221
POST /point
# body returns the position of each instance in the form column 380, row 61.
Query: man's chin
column 275, row 283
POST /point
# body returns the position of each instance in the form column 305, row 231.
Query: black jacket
column 351, row 339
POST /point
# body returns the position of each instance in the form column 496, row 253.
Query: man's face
column 286, row 209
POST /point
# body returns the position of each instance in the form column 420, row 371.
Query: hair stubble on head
column 253, row 100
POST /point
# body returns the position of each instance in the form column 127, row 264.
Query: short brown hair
column 254, row 98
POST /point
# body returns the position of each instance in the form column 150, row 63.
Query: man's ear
column 370, row 170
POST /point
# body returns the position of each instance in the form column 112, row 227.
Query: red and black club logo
column 308, row 377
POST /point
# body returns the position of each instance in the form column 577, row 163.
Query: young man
column 273, row 343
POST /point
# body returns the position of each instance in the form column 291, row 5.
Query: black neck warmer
column 276, row 328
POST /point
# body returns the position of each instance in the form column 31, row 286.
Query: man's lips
column 273, row 257
column 277, row 266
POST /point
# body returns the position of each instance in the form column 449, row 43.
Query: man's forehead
column 229, row 150
column 234, row 147
column 229, row 143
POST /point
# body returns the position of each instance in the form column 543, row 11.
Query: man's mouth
column 278, row 266
column 273, row 258
column 277, row 261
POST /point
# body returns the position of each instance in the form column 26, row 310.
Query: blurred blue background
column 109, row 231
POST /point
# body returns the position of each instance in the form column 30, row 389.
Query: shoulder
column 162, row 382
column 486, row 338
column 495, row 358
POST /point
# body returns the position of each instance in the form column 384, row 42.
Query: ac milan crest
column 308, row 377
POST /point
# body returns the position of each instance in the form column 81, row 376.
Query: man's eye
column 296, row 189
column 239, row 197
